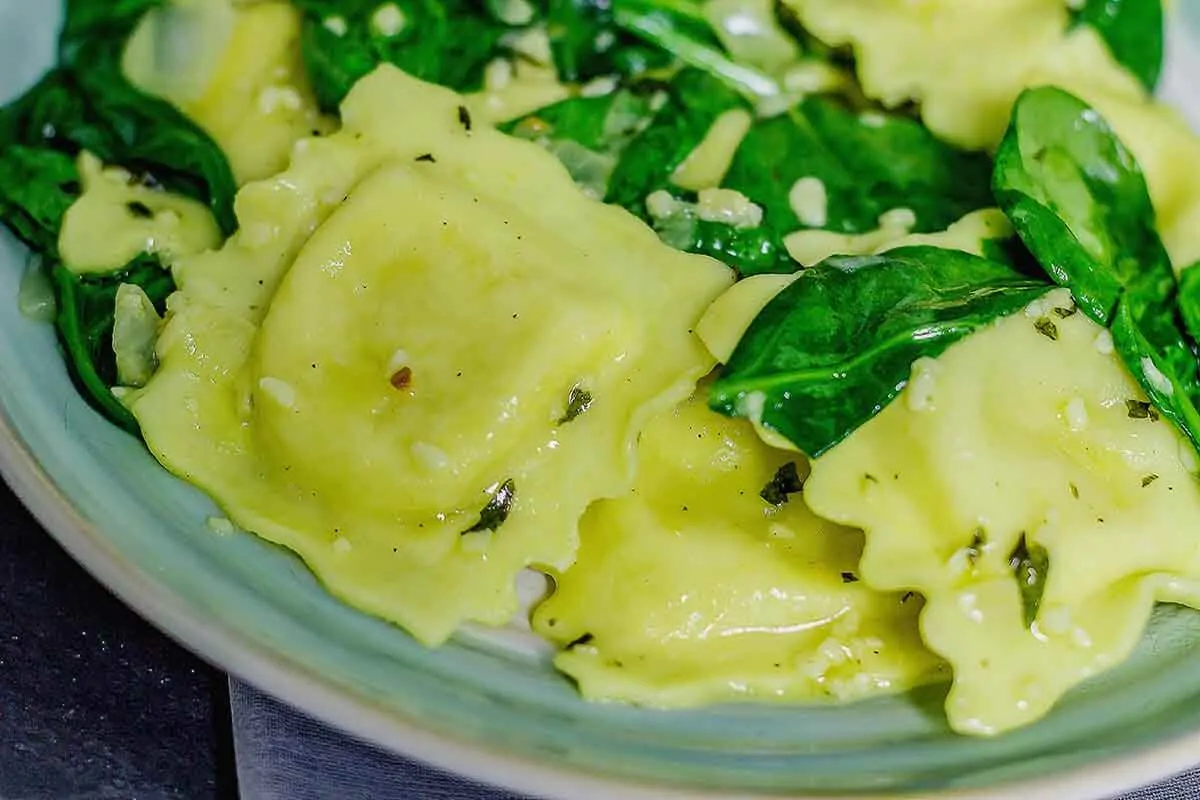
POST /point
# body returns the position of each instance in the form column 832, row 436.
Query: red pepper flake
column 403, row 378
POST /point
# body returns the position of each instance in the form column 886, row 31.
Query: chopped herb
column 1074, row 490
column 1140, row 409
column 869, row 478
column 849, row 577
column 1063, row 313
column 403, row 378
column 428, row 157
column 1046, row 328
column 1149, row 479
column 904, row 598
column 496, row 512
column 975, row 548
column 464, row 118
column 578, row 402
column 582, row 640
column 786, row 482
column 139, row 209
column 1030, row 564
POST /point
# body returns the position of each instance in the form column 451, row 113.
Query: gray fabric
column 284, row 755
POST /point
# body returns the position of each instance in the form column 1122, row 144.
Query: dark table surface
column 94, row 702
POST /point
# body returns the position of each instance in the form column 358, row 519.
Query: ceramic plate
column 497, row 712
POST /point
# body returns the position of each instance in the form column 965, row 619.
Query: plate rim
column 290, row 681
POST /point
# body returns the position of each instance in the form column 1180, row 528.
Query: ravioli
column 237, row 70
column 1013, row 441
column 386, row 368
column 693, row 589
column 975, row 58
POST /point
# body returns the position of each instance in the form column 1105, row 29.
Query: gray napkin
column 284, row 755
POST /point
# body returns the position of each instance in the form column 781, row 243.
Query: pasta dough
column 384, row 369
column 1012, row 436
column 694, row 589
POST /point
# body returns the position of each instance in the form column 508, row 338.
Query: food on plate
column 803, row 363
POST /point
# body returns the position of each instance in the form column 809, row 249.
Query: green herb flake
column 1046, row 327
column 1030, row 564
column 578, row 402
column 427, row 158
column 139, row 210
column 787, row 481
column 1074, row 490
column 496, row 512
column 849, row 577
column 1140, row 409
column 1149, row 479
column 586, row 638
column 464, row 118
column 1063, row 313
column 975, row 548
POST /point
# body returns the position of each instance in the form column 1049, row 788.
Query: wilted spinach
column 867, row 163
column 86, row 104
column 836, row 346
column 86, row 306
column 448, row 42
column 1134, row 32
column 1079, row 202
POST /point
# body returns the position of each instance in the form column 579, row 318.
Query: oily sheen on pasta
column 447, row 349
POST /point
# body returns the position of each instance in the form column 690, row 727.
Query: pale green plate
column 495, row 713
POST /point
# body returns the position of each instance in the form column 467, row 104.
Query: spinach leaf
column 680, row 28
column 448, row 42
column 588, row 134
column 86, row 311
column 86, row 104
column 1162, row 359
column 37, row 186
column 694, row 101
column 1079, row 202
column 587, row 43
column 868, row 164
column 1030, row 564
column 89, row 105
column 1134, row 31
column 837, row 345
column 1189, row 299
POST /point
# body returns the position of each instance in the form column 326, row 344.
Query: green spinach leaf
column 37, row 186
column 837, row 345
column 448, row 42
column 86, row 312
column 587, row 43
column 1079, row 202
column 589, row 134
column 694, row 101
column 867, row 163
column 86, row 104
column 1134, row 31
column 1189, row 299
